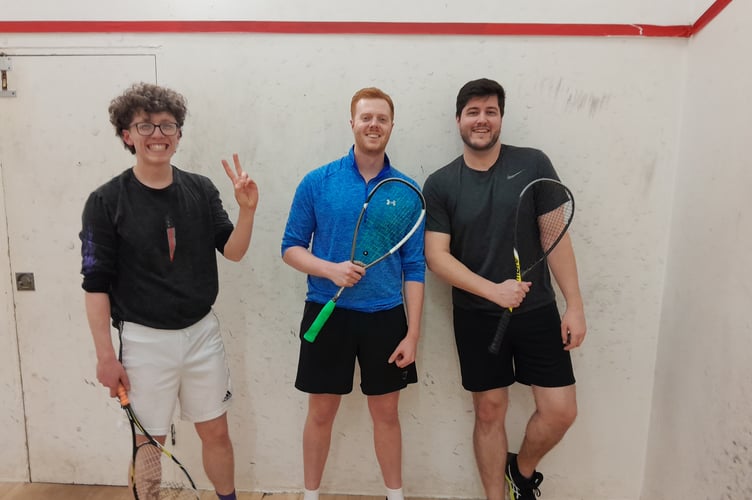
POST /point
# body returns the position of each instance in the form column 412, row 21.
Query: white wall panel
column 700, row 439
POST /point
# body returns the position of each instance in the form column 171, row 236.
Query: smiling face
column 155, row 149
column 371, row 125
column 480, row 123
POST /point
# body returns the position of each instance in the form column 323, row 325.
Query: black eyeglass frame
column 154, row 126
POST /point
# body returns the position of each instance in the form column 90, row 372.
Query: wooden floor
column 38, row 491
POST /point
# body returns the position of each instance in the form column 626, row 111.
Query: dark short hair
column 370, row 93
column 147, row 98
column 483, row 87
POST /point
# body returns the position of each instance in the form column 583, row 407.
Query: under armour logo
column 391, row 202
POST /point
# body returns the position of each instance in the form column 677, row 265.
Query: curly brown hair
column 147, row 98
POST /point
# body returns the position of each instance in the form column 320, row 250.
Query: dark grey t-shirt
column 477, row 210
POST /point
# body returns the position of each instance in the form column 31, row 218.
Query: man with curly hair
column 149, row 241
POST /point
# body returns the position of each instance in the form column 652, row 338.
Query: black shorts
column 532, row 352
column 327, row 366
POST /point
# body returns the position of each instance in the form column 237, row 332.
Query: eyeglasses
column 147, row 128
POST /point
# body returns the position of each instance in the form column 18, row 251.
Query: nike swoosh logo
column 512, row 176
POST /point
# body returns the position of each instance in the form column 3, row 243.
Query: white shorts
column 165, row 366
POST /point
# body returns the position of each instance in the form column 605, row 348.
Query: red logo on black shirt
column 171, row 242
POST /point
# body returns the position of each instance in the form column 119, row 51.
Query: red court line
column 708, row 15
column 345, row 27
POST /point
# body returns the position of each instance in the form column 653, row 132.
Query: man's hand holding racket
column 111, row 374
column 346, row 274
column 508, row 293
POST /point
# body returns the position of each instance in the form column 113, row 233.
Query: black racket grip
column 495, row 345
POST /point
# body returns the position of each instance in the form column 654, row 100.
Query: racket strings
column 392, row 212
column 150, row 470
column 553, row 225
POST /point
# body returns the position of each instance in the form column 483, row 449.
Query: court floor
column 36, row 491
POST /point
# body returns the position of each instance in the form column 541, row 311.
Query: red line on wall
column 369, row 28
column 709, row 15
column 343, row 27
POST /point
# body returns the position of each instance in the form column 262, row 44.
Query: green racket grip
column 318, row 323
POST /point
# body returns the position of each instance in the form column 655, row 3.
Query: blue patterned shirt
column 323, row 216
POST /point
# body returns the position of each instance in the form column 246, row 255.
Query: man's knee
column 562, row 416
column 490, row 410
column 384, row 409
column 214, row 431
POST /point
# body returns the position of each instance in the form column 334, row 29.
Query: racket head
column 393, row 211
column 155, row 473
column 545, row 209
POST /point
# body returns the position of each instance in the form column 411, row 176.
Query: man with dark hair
column 369, row 322
column 469, row 235
column 149, row 243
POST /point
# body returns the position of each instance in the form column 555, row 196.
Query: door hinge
column 5, row 65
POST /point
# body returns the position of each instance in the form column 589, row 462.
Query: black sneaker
column 521, row 488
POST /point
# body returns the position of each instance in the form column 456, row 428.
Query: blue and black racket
column 392, row 212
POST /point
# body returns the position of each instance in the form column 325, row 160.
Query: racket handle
column 501, row 329
column 123, row 395
column 318, row 323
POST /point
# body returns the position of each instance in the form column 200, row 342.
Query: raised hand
column 246, row 190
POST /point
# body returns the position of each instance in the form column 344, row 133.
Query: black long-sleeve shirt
column 154, row 250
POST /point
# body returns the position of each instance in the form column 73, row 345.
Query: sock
column 394, row 494
column 311, row 494
column 231, row 496
column 516, row 474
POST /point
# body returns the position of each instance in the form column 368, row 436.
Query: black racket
column 392, row 212
column 551, row 203
column 152, row 475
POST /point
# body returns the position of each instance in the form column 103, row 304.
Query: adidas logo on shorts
column 228, row 396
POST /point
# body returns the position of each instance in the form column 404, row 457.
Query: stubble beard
column 466, row 138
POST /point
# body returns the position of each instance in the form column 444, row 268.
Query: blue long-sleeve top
column 323, row 216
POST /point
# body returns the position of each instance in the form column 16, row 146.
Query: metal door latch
column 25, row 281
column 5, row 65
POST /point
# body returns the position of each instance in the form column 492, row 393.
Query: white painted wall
column 606, row 110
column 700, row 441
column 14, row 459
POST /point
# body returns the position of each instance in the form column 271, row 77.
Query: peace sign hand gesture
column 246, row 190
